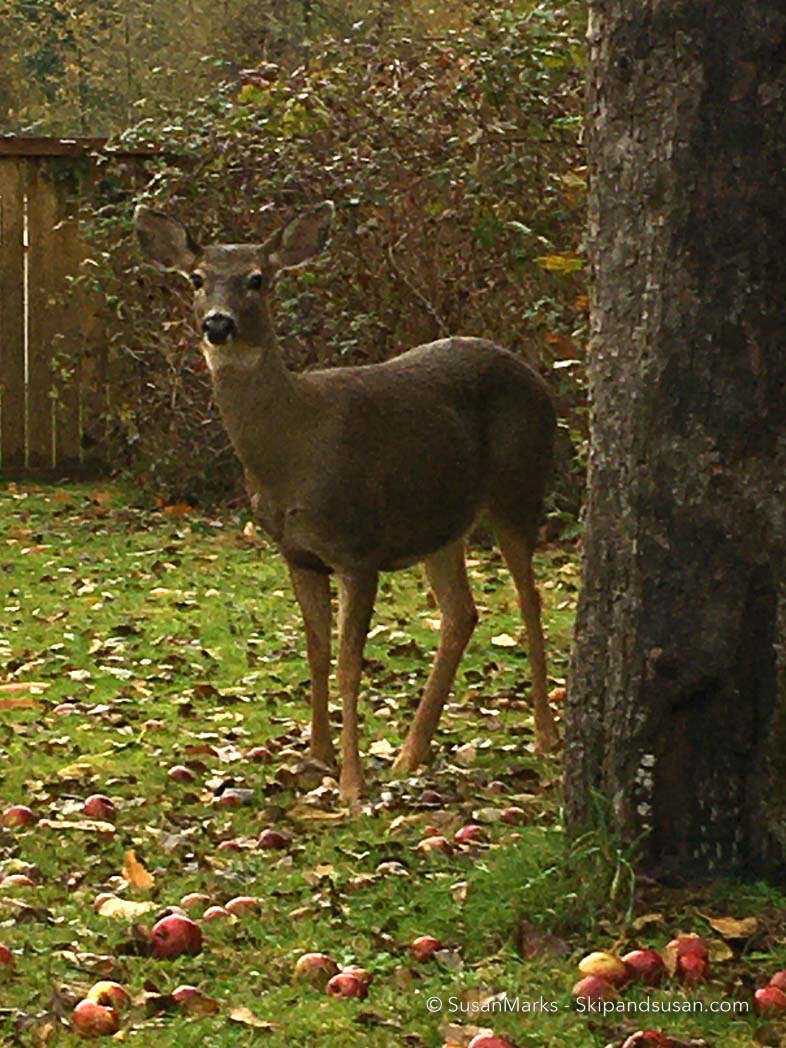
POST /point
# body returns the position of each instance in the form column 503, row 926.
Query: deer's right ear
column 164, row 241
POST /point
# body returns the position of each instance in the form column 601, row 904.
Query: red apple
column 98, row 806
column 89, row 1019
column 175, row 935
column 512, row 815
column 261, row 754
column 430, row 797
column 606, row 966
column 345, row 984
column 769, row 1001
column 180, row 773
column 469, row 833
column 315, row 968
column 109, row 993
column 18, row 815
column 593, row 988
column 6, row 957
column 489, row 1040
column 215, row 913
column 242, row 904
column 63, row 709
column 434, row 843
column 362, row 974
column 184, row 994
column 644, row 966
column 272, row 839
column 188, row 902
column 685, row 944
column 424, row 947
column 17, row 880
column 648, row 1039
column 692, row 968
column 779, row 980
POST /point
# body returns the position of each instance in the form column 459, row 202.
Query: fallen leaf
column 34, row 686
column 382, row 748
column 732, row 928
column 88, row 825
column 19, row 704
column 247, row 1018
column 504, row 640
column 124, row 909
column 135, row 873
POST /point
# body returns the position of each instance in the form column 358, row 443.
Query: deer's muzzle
column 219, row 328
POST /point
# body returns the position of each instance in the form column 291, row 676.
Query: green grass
column 137, row 616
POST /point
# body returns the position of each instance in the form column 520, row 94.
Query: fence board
column 12, row 347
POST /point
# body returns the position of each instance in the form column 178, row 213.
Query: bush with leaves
column 457, row 176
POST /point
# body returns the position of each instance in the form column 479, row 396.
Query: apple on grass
column 6, row 957
column 175, row 935
column 315, row 968
column 424, row 947
column 769, row 1001
column 89, row 1019
column 17, row 815
column 242, row 904
column 606, row 966
column 345, row 984
column 489, row 1040
column 593, row 988
column 109, row 993
column 193, row 899
column 98, row 806
column 644, row 966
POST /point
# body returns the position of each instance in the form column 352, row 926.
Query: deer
column 356, row 470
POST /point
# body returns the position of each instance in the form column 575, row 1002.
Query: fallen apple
column 648, row 1039
column 769, row 1001
column 98, row 806
column 272, row 839
column 63, row 709
column 18, row 815
column 175, row 935
column 194, row 899
column 6, row 957
column 362, row 974
column 430, row 798
column 434, row 843
column 345, row 984
column 424, row 947
column 109, row 993
column 184, row 994
column 261, row 754
column 692, row 968
column 593, row 988
column 315, row 968
column 489, row 1040
column 89, row 1019
column 605, row 966
column 17, row 880
column 215, row 913
column 644, row 966
column 180, row 773
column 512, row 815
column 685, row 944
column 779, row 980
column 469, row 833
column 242, row 904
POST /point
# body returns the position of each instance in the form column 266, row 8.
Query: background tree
column 677, row 687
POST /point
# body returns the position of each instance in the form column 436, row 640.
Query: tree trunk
column 676, row 704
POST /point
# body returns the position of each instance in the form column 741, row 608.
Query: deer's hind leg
column 517, row 549
column 312, row 590
column 446, row 572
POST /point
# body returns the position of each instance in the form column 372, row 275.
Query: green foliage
column 454, row 163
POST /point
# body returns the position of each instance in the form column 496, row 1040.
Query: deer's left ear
column 303, row 238
column 164, row 241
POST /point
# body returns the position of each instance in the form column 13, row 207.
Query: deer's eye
column 255, row 282
column 197, row 280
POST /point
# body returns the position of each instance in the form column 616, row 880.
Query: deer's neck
column 260, row 406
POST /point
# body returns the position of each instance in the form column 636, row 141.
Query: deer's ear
column 164, row 241
column 302, row 238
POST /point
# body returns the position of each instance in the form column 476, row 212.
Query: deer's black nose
column 219, row 328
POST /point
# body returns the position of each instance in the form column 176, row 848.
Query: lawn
column 137, row 638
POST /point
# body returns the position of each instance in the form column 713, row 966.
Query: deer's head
column 232, row 282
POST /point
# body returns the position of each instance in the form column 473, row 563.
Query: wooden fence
column 53, row 368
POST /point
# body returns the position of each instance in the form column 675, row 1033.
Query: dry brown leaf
column 34, row 686
column 645, row 919
column 135, row 873
column 247, row 1018
column 457, row 1036
column 504, row 640
column 124, row 909
column 19, row 704
column 89, row 825
column 732, row 928
column 305, row 813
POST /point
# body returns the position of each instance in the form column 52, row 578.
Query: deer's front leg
column 312, row 590
column 356, row 595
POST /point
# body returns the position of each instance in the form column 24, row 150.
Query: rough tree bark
column 676, row 705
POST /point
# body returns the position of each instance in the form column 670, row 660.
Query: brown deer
column 356, row 470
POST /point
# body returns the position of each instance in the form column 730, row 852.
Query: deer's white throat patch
column 237, row 355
